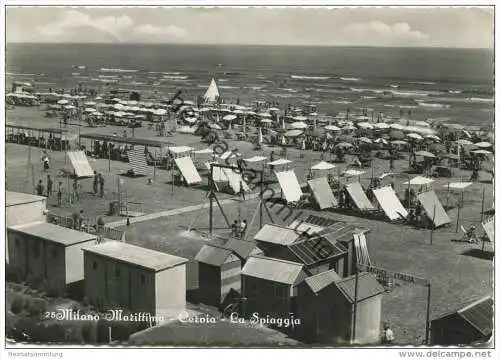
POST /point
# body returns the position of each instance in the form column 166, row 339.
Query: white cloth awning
column 180, row 149
column 323, row 165
column 352, row 173
column 280, row 161
column 419, row 181
column 457, row 185
column 255, row 159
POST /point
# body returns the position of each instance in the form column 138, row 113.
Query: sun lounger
column 322, row 193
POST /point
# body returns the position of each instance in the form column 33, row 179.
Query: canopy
column 381, row 125
column 425, row 154
column 365, row 139
column 464, row 142
column 212, row 93
column 399, row 142
column 280, row 161
column 481, row 152
column 323, row 166
column 332, row 128
column 256, row 159
column 62, row 102
column 179, row 149
column 299, row 125
column 204, row 151
column 364, row 125
column 229, row 117
column 457, row 185
column 419, row 181
column 352, row 173
column 483, row 144
column 293, row 133
column 415, row 136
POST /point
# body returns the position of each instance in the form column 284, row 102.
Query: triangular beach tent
column 212, row 93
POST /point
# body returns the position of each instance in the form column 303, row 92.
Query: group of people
column 238, row 228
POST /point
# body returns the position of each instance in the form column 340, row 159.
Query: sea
column 456, row 85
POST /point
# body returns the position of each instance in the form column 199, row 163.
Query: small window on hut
column 94, row 265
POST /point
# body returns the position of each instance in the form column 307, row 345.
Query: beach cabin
column 132, row 277
column 23, row 208
column 270, row 286
column 43, row 253
column 325, row 304
column 219, row 271
column 471, row 324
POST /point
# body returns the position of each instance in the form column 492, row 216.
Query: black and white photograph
column 249, row 177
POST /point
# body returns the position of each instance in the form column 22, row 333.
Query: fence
column 88, row 226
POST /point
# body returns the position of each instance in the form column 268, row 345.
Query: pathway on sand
column 174, row 212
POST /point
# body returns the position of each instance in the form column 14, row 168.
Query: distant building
column 325, row 304
column 132, row 277
column 23, row 208
column 469, row 325
column 44, row 252
column 219, row 270
column 270, row 286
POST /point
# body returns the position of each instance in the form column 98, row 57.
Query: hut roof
column 322, row 280
column 15, row 198
column 53, row 233
column 368, row 286
column 142, row 257
column 213, row 255
column 277, row 235
column 272, row 269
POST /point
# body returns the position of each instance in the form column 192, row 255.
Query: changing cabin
column 44, row 252
column 325, row 304
column 23, row 208
column 132, row 277
column 270, row 286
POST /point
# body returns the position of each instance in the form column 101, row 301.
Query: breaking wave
column 297, row 77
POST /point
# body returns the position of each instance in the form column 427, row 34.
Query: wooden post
column 261, row 199
column 428, row 314
column 458, row 219
column 355, row 312
column 210, row 194
column 482, row 206
column 433, row 219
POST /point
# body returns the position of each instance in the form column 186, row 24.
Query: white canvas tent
column 289, row 185
column 188, row 170
column 390, row 203
column 212, row 93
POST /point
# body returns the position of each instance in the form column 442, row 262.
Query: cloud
column 122, row 28
column 379, row 33
column 153, row 33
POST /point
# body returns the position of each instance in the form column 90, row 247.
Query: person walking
column 50, row 183
column 95, row 183
column 387, row 335
column 75, row 190
column 101, row 185
column 59, row 195
column 45, row 161
column 243, row 227
column 39, row 188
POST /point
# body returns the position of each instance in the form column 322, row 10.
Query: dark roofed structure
column 368, row 286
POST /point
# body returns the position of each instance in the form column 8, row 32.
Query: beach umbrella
column 352, row 173
column 381, row 140
column 205, row 109
column 415, row 136
column 343, row 145
column 90, row 103
column 365, row 140
column 98, row 114
column 293, row 133
column 399, row 143
column 265, row 115
column 98, row 98
column 251, row 113
column 381, row 125
column 300, row 118
column 481, row 152
column 323, row 165
column 116, row 99
column 483, row 144
column 214, row 126
column 396, row 135
column 190, row 119
column 425, row 154
column 274, row 109
column 62, row 102
column 464, row 142
column 266, row 120
column 69, row 107
column 140, row 116
column 90, row 109
column 160, row 112
column 364, row 125
column 299, row 125
column 457, row 127
column 419, row 181
column 229, row 117
column 433, row 137
column 396, row 126
column 239, row 112
column 332, row 128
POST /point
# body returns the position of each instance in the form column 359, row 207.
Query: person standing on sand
column 39, row 188
column 101, row 185
column 59, row 194
column 95, row 183
column 387, row 335
column 49, row 186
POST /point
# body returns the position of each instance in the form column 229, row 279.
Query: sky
column 405, row 27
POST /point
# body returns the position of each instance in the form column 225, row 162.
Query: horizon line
column 233, row 44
